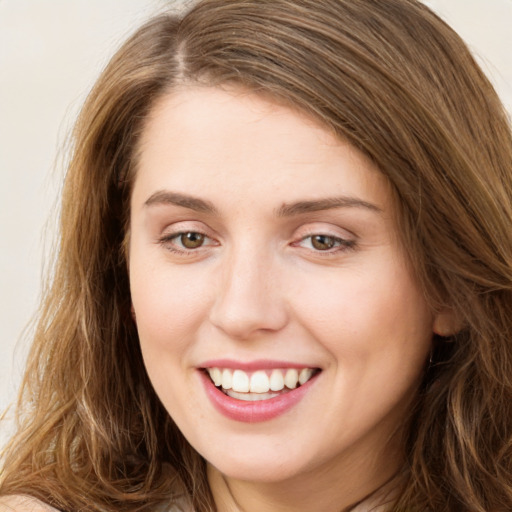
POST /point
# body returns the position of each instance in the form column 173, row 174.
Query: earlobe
column 446, row 323
column 132, row 311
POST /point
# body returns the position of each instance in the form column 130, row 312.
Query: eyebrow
column 286, row 210
column 291, row 209
column 183, row 200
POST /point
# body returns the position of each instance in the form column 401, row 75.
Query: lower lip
column 253, row 412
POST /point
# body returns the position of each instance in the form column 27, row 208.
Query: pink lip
column 253, row 412
column 259, row 364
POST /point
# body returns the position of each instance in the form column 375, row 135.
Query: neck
column 322, row 490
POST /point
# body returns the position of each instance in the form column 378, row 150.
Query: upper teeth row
column 259, row 381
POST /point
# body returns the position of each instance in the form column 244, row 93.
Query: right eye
column 190, row 240
column 186, row 241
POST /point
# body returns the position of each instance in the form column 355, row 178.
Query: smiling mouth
column 261, row 384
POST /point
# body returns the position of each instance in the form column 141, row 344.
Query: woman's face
column 264, row 257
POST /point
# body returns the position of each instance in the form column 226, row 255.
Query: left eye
column 324, row 242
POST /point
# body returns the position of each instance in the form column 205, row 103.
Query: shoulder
column 23, row 504
column 28, row 504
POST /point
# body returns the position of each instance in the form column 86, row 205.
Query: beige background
column 50, row 53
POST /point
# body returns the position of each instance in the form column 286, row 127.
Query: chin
column 258, row 463
column 257, row 471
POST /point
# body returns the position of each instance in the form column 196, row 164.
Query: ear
column 446, row 323
column 132, row 311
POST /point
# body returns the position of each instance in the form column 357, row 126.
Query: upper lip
column 250, row 366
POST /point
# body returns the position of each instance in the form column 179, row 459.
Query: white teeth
column 251, row 397
column 276, row 380
column 304, row 375
column 227, row 379
column 240, row 381
column 291, row 378
column 216, row 376
column 259, row 382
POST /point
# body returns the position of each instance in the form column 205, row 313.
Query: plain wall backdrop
column 50, row 55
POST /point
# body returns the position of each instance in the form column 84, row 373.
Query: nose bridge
column 248, row 298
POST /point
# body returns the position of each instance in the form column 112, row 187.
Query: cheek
column 170, row 306
column 377, row 330
column 365, row 317
column 168, row 301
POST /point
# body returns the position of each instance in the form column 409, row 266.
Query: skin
column 258, row 288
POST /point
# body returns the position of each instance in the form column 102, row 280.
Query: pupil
column 322, row 242
column 192, row 240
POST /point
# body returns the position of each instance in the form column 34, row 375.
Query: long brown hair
column 394, row 80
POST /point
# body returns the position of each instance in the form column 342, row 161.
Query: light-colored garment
column 23, row 504
column 27, row 504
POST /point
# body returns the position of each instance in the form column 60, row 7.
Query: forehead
column 207, row 140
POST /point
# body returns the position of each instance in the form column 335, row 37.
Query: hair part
column 393, row 80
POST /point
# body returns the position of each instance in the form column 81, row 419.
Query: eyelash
column 340, row 244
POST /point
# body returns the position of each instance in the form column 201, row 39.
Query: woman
column 285, row 273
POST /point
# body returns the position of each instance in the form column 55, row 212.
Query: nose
column 250, row 298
